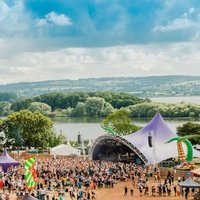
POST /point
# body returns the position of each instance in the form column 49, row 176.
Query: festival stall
column 196, row 174
column 64, row 150
column 6, row 161
column 190, row 183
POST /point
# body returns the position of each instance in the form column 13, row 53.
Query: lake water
column 91, row 128
column 193, row 99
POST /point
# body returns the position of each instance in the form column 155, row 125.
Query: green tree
column 7, row 96
column 41, row 107
column 57, row 139
column 120, row 122
column 166, row 110
column 59, row 100
column 21, row 104
column 118, row 99
column 94, row 106
column 107, row 109
column 190, row 128
column 5, row 108
column 29, row 129
column 79, row 110
column 56, row 100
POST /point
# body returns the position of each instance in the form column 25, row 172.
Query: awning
column 196, row 171
column 189, row 183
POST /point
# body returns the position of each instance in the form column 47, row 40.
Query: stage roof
column 160, row 133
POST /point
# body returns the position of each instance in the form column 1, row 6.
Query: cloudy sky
column 71, row 39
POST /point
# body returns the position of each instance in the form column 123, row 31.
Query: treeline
column 93, row 104
column 8, row 96
column 97, row 104
column 165, row 109
column 190, row 130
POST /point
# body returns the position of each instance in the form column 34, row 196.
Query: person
column 186, row 193
column 153, row 190
column 146, row 190
column 131, row 191
column 88, row 195
column 175, row 190
column 192, row 191
column 179, row 179
column 172, row 179
column 71, row 192
column 164, row 190
column 140, row 189
column 125, row 190
column 61, row 197
column 93, row 195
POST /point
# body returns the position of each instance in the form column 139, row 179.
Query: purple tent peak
column 160, row 133
column 6, row 157
column 5, row 153
column 6, row 161
column 157, row 126
column 157, row 117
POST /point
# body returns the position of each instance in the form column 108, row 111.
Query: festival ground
column 117, row 193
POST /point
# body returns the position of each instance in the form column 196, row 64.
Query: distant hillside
column 142, row 86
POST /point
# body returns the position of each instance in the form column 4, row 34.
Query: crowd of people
column 79, row 178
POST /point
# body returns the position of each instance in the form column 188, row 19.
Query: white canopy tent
column 64, row 150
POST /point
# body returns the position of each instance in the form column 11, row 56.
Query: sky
column 72, row 39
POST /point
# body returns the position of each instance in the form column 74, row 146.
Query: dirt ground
column 117, row 193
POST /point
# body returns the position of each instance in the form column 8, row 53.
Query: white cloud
column 4, row 10
column 41, row 22
column 54, row 18
column 74, row 63
column 177, row 24
column 15, row 21
column 189, row 20
column 191, row 10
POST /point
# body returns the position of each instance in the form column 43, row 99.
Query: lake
column 191, row 99
column 91, row 128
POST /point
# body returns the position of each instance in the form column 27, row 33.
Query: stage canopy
column 138, row 142
column 6, row 161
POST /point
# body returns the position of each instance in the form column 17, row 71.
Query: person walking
column 131, row 190
column 125, row 191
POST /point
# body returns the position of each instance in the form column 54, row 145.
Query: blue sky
column 58, row 39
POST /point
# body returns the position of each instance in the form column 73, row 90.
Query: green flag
column 30, row 173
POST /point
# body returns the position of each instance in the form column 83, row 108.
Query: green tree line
column 167, row 110
column 92, row 104
column 97, row 104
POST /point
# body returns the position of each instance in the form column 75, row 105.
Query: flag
column 30, row 172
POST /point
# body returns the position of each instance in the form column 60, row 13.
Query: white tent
column 64, row 150
column 161, row 133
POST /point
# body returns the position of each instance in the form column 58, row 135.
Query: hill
column 151, row 86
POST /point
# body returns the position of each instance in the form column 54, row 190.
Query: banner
column 30, row 172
